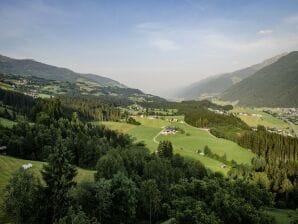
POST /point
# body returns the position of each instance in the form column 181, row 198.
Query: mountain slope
column 215, row 85
column 273, row 86
column 27, row 67
column 41, row 80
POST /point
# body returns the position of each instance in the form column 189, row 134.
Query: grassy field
column 117, row 126
column 9, row 165
column 5, row 86
column 187, row 144
column 6, row 122
column 266, row 120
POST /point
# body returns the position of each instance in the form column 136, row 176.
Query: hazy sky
column 154, row 45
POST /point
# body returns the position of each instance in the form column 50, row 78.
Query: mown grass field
column 6, row 122
column 9, row 165
column 186, row 144
column 266, row 120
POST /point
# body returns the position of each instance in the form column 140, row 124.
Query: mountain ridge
column 275, row 85
column 215, row 85
column 31, row 67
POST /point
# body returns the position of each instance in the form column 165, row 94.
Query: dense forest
column 223, row 125
column 88, row 108
column 21, row 103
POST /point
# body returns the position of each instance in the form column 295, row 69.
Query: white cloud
column 165, row 44
column 265, row 32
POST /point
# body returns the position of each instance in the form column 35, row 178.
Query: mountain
column 213, row 86
column 28, row 67
column 41, row 80
column 275, row 85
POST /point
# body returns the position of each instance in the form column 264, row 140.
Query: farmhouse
column 169, row 131
column 3, row 149
column 27, row 166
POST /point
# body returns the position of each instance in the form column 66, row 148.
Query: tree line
column 88, row 108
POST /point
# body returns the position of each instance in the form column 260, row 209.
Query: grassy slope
column 185, row 145
column 9, row 165
column 6, row 122
column 266, row 120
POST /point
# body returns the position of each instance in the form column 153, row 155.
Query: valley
column 110, row 132
column 148, row 112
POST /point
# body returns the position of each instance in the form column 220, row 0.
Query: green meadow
column 266, row 119
column 9, row 165
column 186, row 144
column 6, row 122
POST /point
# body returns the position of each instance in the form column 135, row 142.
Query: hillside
column 215, row 85
column 9, row 165
column 27, row 67
column 41, row 80
column 273, row 86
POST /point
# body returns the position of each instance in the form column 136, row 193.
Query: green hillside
column 9, row 165
column 273, row 86
column 27, row 67
column 45, row 88
column 215, row 85
column 186, row 144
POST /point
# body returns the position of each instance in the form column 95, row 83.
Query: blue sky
column 154, row 45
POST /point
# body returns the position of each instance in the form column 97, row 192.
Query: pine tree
column 58, row 175
column 165, row 149
column 150, row 198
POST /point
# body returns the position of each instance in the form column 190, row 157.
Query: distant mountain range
column 275, row 85
column 42, row 80
column 215, row 85
column 28, row 67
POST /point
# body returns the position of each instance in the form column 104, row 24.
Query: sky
column 153, row 45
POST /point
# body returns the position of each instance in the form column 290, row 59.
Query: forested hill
column 215, row 85
column 27, row 67
column 273, row 86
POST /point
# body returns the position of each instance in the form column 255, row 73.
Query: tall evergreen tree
column 150, row 198
column 58, row 175
column 165, row 149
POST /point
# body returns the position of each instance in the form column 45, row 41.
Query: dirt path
column 154, row 138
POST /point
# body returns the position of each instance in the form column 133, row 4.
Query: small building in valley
column 169, row 131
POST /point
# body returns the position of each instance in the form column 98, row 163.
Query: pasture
column 9, row 165
column 186, row 144
column 264, row 119
column 6, row 123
